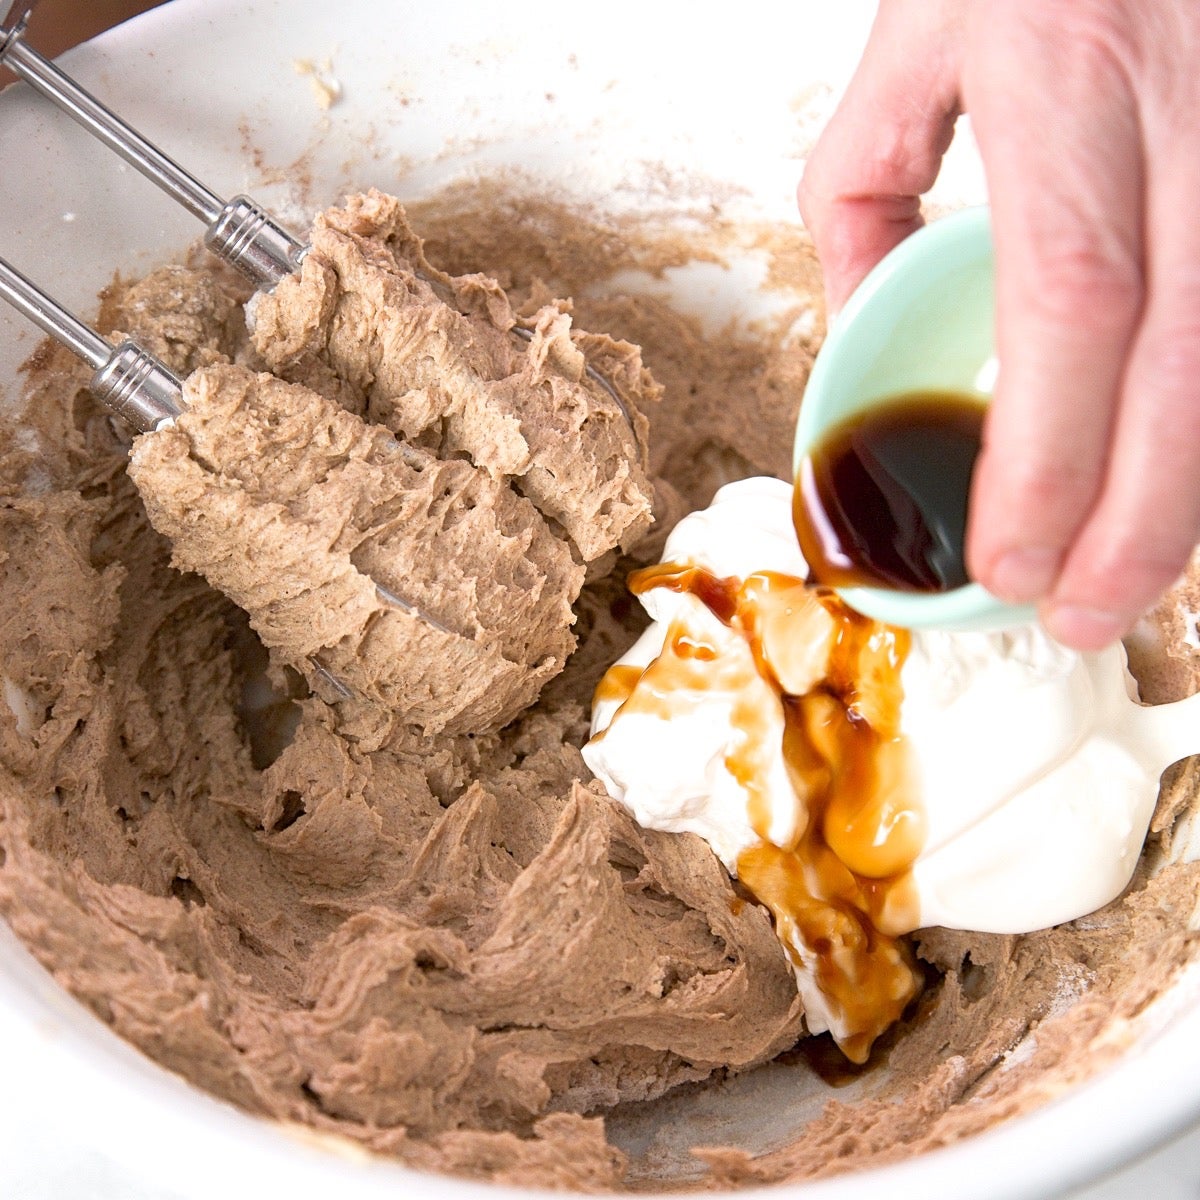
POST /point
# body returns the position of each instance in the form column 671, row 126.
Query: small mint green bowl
column 922, row 319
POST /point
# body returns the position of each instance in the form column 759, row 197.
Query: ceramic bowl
column 922, row 320
column 597, row 109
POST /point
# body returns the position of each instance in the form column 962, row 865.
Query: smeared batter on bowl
column 445, row 943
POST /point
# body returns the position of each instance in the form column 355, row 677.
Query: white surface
column 702, row 92
column 1172, row 1173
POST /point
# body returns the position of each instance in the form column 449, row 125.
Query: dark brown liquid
column 881, row 501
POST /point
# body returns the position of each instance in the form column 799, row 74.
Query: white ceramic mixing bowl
column 601, row 106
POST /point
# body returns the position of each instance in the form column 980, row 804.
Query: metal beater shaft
column 133, row 383
column 240, row 230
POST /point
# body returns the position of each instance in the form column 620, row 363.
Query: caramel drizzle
column 846, row 880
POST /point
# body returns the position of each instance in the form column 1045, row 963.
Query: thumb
column 861, row 191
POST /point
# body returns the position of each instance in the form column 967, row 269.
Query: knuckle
column 1081, row 282
column 897, row 159
column 1101, row 41
column 1051, row 496
column 1091, row 46
column 1171, row 354
column 1121, row 571
column 894, row 163
column 1174, row 376
column 888, row 163
column 1123, row 553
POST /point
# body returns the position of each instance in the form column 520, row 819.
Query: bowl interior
column 576, row 105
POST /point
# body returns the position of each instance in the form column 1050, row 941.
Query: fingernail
column 1023, row 575
column 1084, row 628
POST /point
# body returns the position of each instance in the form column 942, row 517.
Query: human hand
column 1086, row 496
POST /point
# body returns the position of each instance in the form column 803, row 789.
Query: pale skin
column 1086, row 497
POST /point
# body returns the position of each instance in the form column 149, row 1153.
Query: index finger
column 861, row 191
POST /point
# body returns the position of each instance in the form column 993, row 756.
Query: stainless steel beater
column 126, row 378
column 240, row 231
column 140, row 390
column 137, row 387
